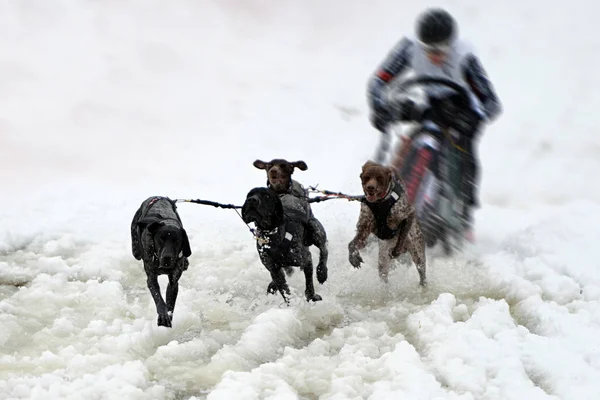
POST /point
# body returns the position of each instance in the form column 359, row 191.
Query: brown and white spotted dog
column 386, row 212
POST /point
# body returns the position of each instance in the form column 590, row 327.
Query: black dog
column 281, row 226
column 279, row 179
column 158, row 238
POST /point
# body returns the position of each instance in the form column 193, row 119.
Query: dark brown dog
column 279, row 179
column 386, row 213
column 279, row 176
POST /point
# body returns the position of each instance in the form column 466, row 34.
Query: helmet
column 435, row 26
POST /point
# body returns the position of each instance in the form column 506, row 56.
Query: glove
column 409, row 111
column 380, row 119
column 468, row 123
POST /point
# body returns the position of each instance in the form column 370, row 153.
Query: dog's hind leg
column 322, row 269
column 417, row 252
column 309, row 285
column 384, row 260
column 319, row 239
column 315, row 232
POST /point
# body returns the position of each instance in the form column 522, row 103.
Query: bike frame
column 438, row 200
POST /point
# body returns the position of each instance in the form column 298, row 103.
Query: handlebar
column 445, row 108
column 432, row 80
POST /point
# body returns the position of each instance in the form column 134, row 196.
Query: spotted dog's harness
column 381, row 210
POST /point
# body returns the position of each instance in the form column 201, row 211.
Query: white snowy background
column 105, row 103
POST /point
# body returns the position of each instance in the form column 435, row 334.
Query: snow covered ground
column 103, row 104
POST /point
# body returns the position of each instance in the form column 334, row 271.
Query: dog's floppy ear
column 390, row 174
column 155, row 226
column 136, row 247
column 260, row 164
column 301, row 165
column 150, row 223
column 185, row 246
column 173, row 202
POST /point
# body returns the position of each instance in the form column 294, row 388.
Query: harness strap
column 156, row 215
column 151, row 203
column 382, row 208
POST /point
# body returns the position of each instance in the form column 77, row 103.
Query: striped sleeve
column 396, row 62
column 481, row 85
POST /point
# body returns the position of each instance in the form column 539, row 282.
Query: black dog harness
column 147, row 213
column 279, row 242
column 294, row 188
column 381, row 210
column 151, row 203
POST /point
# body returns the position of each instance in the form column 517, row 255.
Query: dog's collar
column 264, row 237
column 154, row 200
column 288, row 189
column 155, row 256
column 390, row 192
column 267, row 233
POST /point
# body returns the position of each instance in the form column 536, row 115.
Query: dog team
column 285, row 229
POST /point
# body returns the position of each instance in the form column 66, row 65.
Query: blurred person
column 437, row 51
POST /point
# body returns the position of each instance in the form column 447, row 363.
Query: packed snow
column 105, row 103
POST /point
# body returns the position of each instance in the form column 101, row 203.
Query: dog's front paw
column 355, row 258
column 165, row 319
column 321, row 273
column 272, row 288
column 313, row 297
column 397, row 251
column 399, row 248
